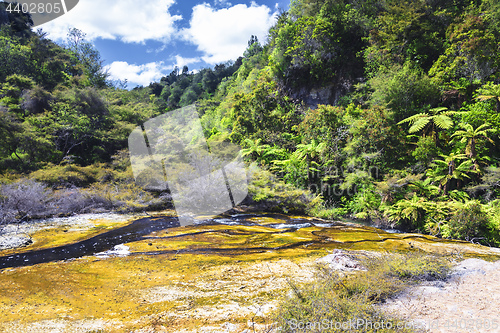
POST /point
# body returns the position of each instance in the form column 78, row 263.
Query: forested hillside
column 379, row 110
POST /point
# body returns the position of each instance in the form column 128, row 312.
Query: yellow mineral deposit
column 180, row 279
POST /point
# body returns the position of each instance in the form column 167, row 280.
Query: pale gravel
column 466, row 302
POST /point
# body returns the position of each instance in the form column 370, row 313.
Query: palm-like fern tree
column 275, row 153
column 293, row 168
column 453, row 166
column 490, row 91
column 311, row 154
column 412, row 210
column 471, row 136
column 302, row 163
column 254, row 149
column 424, row 187
column 430, row 123
column 311, row 151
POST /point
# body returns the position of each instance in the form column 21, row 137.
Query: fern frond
column 459, row 133
column 413, row 118
column 483, row 98
column 419, row 125
column 442, row 121
column 438, row 110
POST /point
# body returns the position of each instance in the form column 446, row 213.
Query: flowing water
column 115, row 273
column 139, row 229
column 112, row 242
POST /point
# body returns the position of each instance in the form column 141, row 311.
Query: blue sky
column 143, row 41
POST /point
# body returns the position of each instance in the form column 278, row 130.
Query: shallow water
column 103, row 244
column 100, row 243
column 320, row 233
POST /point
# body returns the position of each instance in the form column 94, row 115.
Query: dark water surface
column 140, row 229
column 102, row 242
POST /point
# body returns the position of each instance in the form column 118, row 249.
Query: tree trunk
column 472, row 153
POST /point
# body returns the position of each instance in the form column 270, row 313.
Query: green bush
column 408, row 213
column 328, row 213
column 469, row 223
column 494, row 225
column 68, row 175
column 269, row 193
column 404, row 89
column 338, row 298
column 124, row 198
column 415, row 267
column 425, row 150
column 365, row 202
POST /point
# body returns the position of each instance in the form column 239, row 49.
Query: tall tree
column 490, row 91
column 451, row 167
column 95, row 73
column 471, row 137
column 18, row 22
column 430, row 123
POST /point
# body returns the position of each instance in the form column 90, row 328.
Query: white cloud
column 138, row 74
column 181, row 61
column 127, row 20
column 223, row 34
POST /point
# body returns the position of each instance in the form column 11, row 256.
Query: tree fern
column 472, row 137
column 490, row 91
column 443, row 171
column 437, row 118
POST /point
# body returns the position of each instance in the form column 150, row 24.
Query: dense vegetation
column 383, row 110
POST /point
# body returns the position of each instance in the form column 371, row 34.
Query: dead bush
column 23, row 200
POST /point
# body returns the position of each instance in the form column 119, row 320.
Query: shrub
column 68, row 175
column 339, row 298
column 28, row 199
column 470, row 223
column 408, row 213
column 328, row 213
column 365, row 202
column 403, row 89
column 23, row 200
column 124, row 198
column 494, row 225
column 6, row 215
column 425, row 150
column 68, row 201
column 327, row 300
column 269, row 193
column 412, row 267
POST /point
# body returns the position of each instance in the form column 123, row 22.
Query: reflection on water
column 119, row 250
column 290, row 225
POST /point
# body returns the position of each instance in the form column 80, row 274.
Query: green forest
column 384, row 111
